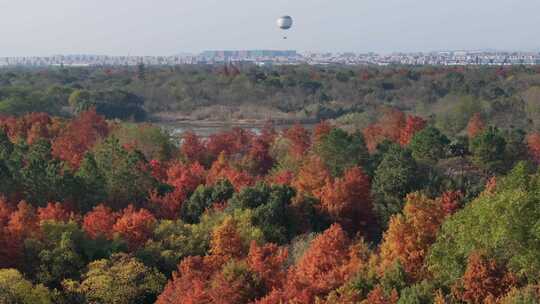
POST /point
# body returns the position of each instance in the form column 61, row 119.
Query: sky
column 168, row 27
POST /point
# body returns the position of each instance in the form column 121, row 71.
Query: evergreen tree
column 395, row 177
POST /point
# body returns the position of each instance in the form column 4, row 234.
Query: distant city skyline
column 169, row 27
column 265, row 57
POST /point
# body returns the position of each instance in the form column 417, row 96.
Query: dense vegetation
column 380, row 206
column 448, row 96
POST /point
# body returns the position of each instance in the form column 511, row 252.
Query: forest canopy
column 390, row 201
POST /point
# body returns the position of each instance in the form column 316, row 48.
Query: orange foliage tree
column 222, row 276
column 391, row 123
column 327, row 264
column 389, row 126
column 312, row 177
column 226, row 242
column 347, row 200
column 268, row 262
column 410, row 235
column 222, row 170
column 484, row 278
column 135, row 226
column 475, row 126
column 413, row 124
column 533, row 145
column 373, row 135
column 450, row 201
column 23, row 222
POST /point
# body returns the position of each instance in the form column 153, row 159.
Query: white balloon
column 285, row 22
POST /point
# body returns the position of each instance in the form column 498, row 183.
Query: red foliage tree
column 79, row 135
column 484, row 279
column 54, row 212
column 269, row 262
column 475, row 126
column 37, row 131
column 222, row 170
column 235, row 142
column 22, row 224
column 193, row 148
column 218, row 169
column 185, row 179
column 347, row 200
column 533, row 145
column 321, row 129
column 258, row 157
column 164, row 206
column 239, row 179
column 413, row 124
column 325, row 266
column 299, row 139
column 268, row 132
column 135, row 227
column 99, row 222
column 189, row 284
column 282, row 177
column 30, row 127
column 158, row 170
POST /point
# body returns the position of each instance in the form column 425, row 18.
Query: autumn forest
column 414, row 186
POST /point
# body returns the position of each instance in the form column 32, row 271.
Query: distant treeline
column 447, row 95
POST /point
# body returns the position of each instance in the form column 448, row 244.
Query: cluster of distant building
column 275, row 57
column 449, row 58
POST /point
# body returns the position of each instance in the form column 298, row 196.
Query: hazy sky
column 166, row 27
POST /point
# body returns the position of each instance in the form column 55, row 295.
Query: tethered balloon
column 285, row 23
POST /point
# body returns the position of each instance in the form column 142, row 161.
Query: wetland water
column 205, row 129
